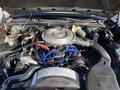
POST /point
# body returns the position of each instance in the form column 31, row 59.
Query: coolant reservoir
column 3, row 15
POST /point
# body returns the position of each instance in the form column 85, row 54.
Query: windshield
column 54, row 15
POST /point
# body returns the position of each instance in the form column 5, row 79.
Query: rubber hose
column 21, row 77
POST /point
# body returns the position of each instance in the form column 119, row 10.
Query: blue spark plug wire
column 71, row 50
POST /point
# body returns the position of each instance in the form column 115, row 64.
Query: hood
column 104, row 7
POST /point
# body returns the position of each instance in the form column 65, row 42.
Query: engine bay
column 61, row 52
column 50, row 46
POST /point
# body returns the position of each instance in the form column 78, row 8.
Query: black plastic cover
column 55, row 78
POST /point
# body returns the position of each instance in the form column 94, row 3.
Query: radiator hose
column 21, row 77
